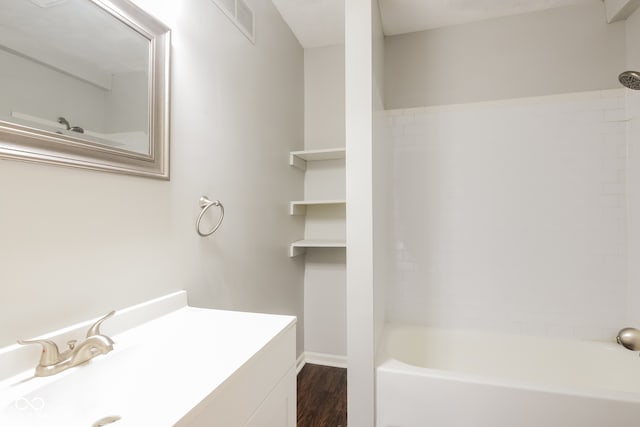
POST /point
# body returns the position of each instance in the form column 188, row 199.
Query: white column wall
column 359, row 164
column 367, row 229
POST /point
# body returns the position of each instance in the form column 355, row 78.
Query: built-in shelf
column 299, row 159
column 299, row 247
column 325, row 218
column 300, row 207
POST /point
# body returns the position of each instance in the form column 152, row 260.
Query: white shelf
column 298, row 248
column 299, row 159
column 300, row 207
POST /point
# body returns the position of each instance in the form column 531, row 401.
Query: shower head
column 630, row 79
column 65, row 122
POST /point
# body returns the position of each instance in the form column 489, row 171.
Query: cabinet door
column 279, row 408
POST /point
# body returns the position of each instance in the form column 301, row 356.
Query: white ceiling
column 321, row 22
column 314, row 22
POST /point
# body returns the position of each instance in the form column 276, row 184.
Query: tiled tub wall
column 511, row 215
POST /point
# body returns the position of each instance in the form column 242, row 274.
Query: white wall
column 325, row 305
column 324, row 97
column 126, row 103
column 511, row 215
column 49, row 94
column 561, row 50
column 76, row 243
column 325, row 278
column 633, row 172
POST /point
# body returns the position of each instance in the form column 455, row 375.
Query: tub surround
column 511, row 216
column 188, row 359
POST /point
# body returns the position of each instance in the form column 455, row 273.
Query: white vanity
column 172, row 365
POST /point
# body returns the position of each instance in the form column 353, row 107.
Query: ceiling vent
column 239, row 12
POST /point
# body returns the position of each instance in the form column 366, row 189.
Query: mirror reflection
column 70, row 68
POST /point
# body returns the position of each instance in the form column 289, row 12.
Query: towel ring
column 205, row 204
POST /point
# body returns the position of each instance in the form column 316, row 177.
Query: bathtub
column 429, row 377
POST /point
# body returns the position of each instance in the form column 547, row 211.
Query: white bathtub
column 444, row 378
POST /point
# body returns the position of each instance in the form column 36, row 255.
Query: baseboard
column 322, row 359
column 300, row 363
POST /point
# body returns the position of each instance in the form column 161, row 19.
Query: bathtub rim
column 387, row 363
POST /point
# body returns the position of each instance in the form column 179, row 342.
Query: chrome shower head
column 65, row 122
column 630, row 79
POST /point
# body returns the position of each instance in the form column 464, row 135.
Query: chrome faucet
column 52, row 361
column 629, row 338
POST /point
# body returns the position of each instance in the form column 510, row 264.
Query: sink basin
column 83, row 396
column 163, row 372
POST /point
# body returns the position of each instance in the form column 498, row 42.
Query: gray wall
column 324, row 97
column 48, row 94
column 325, row 276
column 77, row 243
column 126, row 103
column 561, row 50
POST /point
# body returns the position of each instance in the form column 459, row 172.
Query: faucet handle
column 50, row 353
column 95, row 328
column 629, row 338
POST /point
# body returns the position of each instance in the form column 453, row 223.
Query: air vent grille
column 239, row 12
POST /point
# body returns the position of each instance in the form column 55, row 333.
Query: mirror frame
column 25, row 143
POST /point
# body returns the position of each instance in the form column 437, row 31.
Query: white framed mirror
column 85, row 83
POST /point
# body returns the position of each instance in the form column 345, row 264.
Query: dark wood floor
column 322, row 396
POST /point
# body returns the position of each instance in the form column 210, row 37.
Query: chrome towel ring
column 205, row 204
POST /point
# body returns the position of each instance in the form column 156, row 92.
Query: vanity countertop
column 161, row 372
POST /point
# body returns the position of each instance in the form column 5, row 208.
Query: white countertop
column 157, row 373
